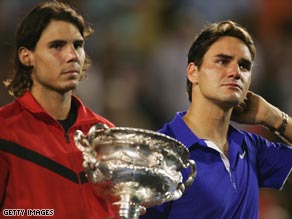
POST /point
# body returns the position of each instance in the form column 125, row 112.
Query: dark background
column 139, row 58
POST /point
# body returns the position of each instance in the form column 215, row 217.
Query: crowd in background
column 139, row 58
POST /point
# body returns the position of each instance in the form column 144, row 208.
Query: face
column 58, row 58
column 225, row 74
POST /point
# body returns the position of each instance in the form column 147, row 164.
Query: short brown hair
column 209, row 36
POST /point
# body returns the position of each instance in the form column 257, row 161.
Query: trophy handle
column 94, row 169
column 81, row 141
column 182, row 186
column 193, row 173
column 97, row 127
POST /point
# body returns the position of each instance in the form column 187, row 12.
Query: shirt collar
column 28, row 102
column 183, row 134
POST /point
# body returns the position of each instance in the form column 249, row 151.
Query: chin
column 68, row 88
column 72, row 84
column 233, row 101
column 236, row 97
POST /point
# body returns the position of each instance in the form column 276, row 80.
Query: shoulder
column 166, row 129
column 103, row 120
column 86, row 114
column 260, row 143
column 91, row 117
column 248, row 136
column 253, row 138
column 9, row 109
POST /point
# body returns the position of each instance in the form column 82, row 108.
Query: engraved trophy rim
column 156, row 137
column 142, row 165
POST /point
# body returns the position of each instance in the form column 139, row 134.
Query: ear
column 25, row 56
column 192, row 73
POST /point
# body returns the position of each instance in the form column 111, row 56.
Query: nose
column 72, row 54
column 234, row 71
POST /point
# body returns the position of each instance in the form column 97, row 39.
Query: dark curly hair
column 29, row 33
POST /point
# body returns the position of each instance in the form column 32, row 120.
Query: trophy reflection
column 141, row 167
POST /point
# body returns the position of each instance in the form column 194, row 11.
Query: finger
column 241, row 107
column 238, row 109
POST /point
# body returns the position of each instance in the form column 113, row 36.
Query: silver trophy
column 140, row 167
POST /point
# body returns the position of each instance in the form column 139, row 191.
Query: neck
column 209, row 122
column 56, row 104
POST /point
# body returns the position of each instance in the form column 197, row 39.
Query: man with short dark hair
column 231, row 164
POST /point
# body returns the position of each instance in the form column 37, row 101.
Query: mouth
column 233, row 86
column 71, row 71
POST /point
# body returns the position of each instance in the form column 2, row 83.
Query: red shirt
column 40, row 167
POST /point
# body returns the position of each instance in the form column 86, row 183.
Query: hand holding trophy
column 141, row 167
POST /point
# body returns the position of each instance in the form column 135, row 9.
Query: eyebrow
column 224, row 56
column 64, row 41
column 229, row 57
column 56, row 41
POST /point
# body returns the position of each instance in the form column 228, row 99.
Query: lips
column 234, row 85
column 71, row 71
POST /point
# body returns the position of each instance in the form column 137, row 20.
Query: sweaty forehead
column 60, row 30
column 230, row 46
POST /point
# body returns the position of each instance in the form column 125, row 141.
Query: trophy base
column 130, row 210
column 129, row 206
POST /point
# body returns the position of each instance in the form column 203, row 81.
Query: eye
column 222, row 62
column 78, row 44
column 245, row 66
column 57, row 44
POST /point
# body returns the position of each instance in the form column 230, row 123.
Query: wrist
column 281, row 125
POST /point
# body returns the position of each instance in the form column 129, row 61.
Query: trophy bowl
column 140, row 167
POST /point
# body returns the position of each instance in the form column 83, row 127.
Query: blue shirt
column 225, row 188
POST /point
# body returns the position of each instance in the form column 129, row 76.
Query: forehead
column 60, row 30
column 231, row 46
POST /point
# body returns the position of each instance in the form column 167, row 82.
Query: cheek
column 82, row 55
column 48, row 60
column 247, row 80
column 210, row 77
column 47, row 66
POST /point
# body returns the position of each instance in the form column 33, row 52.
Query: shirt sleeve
column 274, row 162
